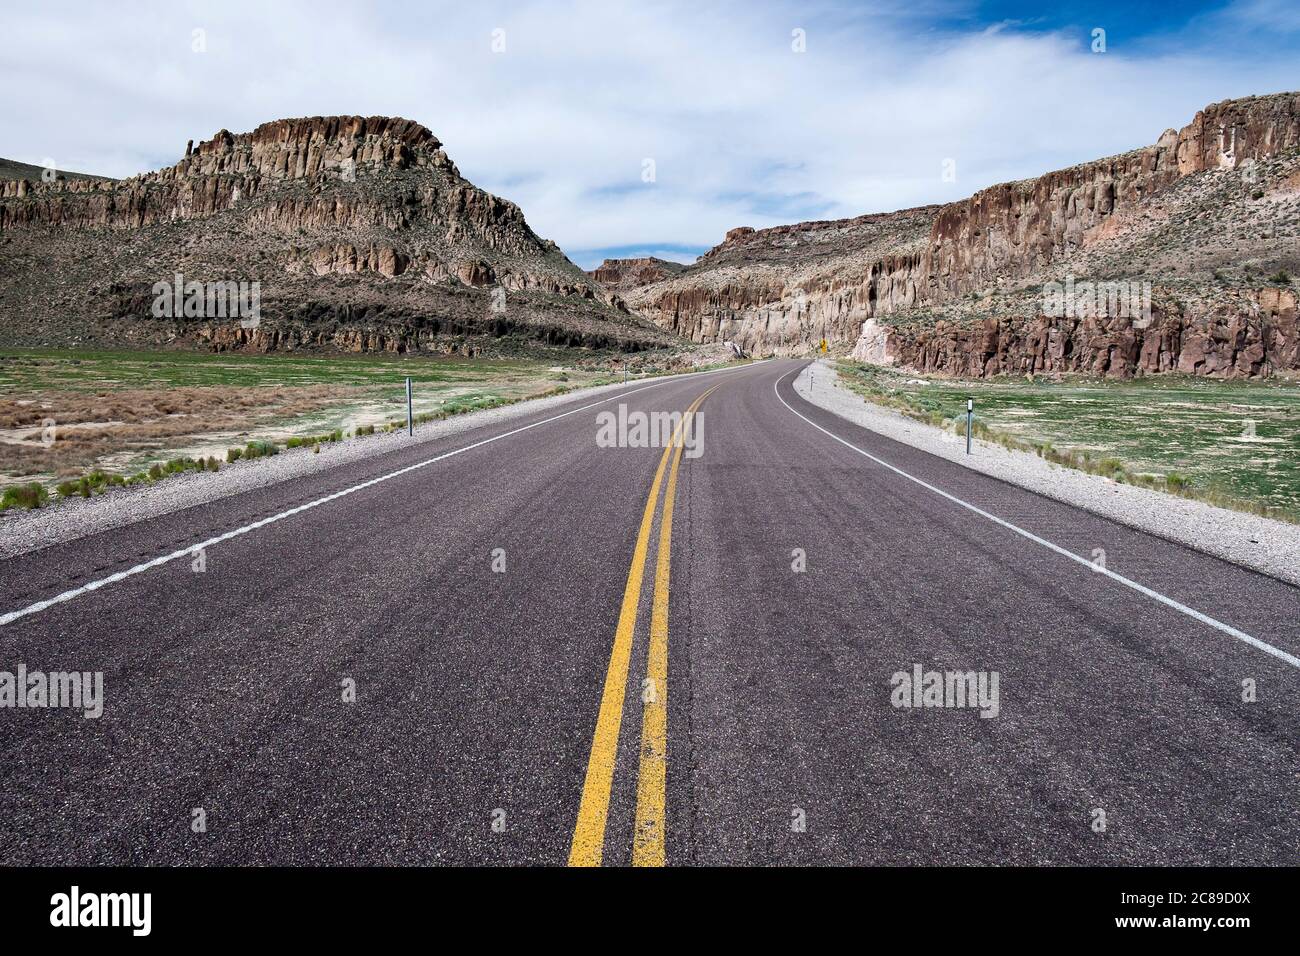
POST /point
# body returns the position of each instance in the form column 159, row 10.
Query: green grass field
column 29, row 370
column 1233, row 443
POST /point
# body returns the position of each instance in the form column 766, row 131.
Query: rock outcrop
column 783, row 289
column 623, row 274
column 1259, row 338
column 1208, row 218
column 357, row 230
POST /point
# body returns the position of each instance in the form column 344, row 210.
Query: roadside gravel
column 1262, row 544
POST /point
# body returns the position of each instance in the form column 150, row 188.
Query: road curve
column 545, row 672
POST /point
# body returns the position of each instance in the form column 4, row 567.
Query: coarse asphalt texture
column 471, row 605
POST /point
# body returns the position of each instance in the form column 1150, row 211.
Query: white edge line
column 1140, row 588
column 39, row 606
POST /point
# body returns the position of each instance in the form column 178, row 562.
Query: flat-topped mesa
column 818, row 239
column 360, row 231
column 217, row 173
column 305, row 147
column 635, row 272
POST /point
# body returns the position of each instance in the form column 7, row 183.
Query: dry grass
column 92, row 426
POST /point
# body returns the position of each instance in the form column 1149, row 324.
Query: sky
column 643, row 128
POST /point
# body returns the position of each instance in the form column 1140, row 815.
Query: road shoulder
column 1261, row 544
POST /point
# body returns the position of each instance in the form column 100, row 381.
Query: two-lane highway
column 515, row 645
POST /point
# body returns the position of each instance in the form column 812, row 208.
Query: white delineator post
column 410, row 418
column 970, row 414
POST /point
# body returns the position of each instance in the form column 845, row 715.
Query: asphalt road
column 520, row 716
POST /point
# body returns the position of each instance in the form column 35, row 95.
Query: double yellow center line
column 588, row 843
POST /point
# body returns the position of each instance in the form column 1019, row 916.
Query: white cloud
column 743, row 131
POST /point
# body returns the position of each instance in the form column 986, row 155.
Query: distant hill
column 360, row 232
column 12, row 169
column 623, row 274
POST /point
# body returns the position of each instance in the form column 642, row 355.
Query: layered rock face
column 1259, row 338
column 1207, row 218
column 1013, row 230
column 360, row 232
column 782, row 290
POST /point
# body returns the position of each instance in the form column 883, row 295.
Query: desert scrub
column 147, row 406
column 1111, row 468
column 471, row 403
column 175, row 466
column 87, row 485
column 304, row 440
column 260, row 449
column 461, row 406
column 30, row 495
column 97, row 482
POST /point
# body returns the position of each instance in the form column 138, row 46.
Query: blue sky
column 651, row 128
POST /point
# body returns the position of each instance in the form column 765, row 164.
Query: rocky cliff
column 359, row 231
column 1205, row 224
column 782, row 289
column 1259, row 336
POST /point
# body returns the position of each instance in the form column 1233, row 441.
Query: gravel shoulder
column 22, row 532
column 1261, row 544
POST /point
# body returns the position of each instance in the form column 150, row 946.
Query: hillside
column 781, row 289
column 12, row 169
column 1207, row 219
column 360, row 231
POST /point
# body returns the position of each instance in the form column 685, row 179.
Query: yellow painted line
column 588, row 844
column 651, row 786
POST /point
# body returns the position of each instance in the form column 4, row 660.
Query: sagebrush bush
column 302, row 441
column 260, row 449
column 29, row 496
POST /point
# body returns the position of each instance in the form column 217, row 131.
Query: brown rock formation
column 359, row 230
column 783, row 289
column 1208, row 215
column 623, row 274
column 1254, row 340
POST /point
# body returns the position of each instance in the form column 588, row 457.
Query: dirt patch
column 88, row 428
